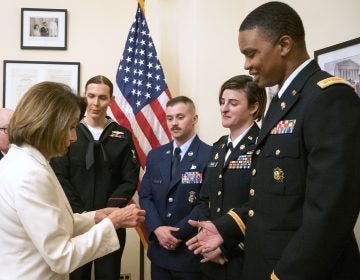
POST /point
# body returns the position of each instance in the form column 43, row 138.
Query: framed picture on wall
column 43, row 29
column 342, row 60
column 19, row 76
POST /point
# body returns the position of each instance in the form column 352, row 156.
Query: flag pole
column 142, row 251
column 142, row 5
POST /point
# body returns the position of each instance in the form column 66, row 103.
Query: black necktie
column 230, row 147
column 175, row 162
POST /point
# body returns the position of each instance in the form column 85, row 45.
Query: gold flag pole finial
column 142, row 5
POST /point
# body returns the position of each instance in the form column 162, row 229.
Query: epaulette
column 333, row 80
column 221, row 139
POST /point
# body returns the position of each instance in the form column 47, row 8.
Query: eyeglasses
column 4, row 130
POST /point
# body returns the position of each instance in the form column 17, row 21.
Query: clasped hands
column 126, row 217
column 165, row 237
column 207, row 242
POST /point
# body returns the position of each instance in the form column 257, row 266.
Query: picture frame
column 43, row 29
column 19, row 76
column 342, row 60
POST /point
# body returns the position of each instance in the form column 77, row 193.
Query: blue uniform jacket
column 173, row 203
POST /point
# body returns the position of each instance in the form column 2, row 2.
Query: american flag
column 141, row 92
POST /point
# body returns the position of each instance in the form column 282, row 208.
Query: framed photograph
column 342, row 60
column 43, row 29
column 19, row 76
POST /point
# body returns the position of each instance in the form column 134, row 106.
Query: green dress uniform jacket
column 305, row 188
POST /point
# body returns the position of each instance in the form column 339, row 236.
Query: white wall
column 196, row 41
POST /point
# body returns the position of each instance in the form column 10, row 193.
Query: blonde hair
column 43, row 116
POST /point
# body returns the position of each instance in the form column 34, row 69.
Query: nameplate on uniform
column 213, row 164
column 191, row 178
column 284, row 127
column 242, row 162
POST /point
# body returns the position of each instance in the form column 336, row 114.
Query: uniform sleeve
column 232, row 226
column 153, row 219
column 61, row 167
column 129, row 174
column 332, row 198
column 51, row 225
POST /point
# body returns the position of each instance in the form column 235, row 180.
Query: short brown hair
column 180, row 99
column 99, row 79
column 43, row 116
column 254, row 93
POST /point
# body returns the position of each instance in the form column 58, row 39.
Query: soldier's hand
column 215, row 256
column 165, row 237
column 207, row 239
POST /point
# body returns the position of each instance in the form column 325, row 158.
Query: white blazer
column 40, row 237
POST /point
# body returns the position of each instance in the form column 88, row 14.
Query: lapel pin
column 168, row 152
column 293, row 92
column 250, row 138
column 216, row 156
column 190, row 153
column 242, row 147
column 283, row 105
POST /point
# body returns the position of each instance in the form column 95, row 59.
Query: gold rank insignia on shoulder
column 332, row 81
column 279, row 175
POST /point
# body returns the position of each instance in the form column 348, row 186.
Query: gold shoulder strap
column 333, row 80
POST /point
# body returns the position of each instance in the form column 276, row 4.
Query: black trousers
column 159, row 273
column 107, row 267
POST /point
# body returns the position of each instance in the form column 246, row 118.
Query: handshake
column 127, row 217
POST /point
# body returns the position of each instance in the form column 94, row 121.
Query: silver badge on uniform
column 192, row 196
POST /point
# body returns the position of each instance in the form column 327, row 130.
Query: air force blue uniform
column 172, row 202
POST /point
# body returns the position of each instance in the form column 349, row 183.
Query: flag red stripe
column 123, row 120
column 168, row 93
column 147, row 130
column 161, row 115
